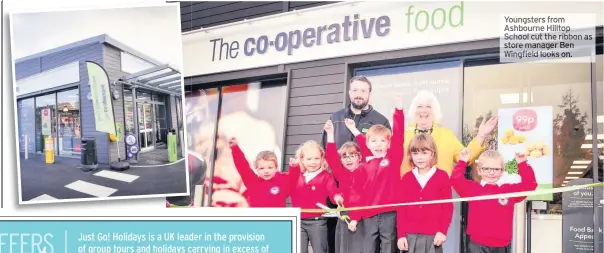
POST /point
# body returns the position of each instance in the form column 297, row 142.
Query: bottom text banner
column 146, row 236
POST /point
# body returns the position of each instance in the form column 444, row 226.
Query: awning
column 161, row 78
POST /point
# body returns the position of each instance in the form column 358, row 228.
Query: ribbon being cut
column 325, row 209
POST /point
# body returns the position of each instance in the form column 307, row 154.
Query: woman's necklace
column 423, row 131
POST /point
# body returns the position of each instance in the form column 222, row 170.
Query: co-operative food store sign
column 345, row 29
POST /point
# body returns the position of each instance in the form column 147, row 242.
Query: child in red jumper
column 267, row 188
column 490, row 222
column 423, row 228
column 344, row 164
column 381, row 170
column 310, row 188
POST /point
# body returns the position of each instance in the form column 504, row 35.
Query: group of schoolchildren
column 368, row 174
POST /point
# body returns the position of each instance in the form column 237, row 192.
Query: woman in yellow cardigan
column 426, row 112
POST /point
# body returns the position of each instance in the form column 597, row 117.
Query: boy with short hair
column 267, row 187
column 490, row 222
column 382, row 151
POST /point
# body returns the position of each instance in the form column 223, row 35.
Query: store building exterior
column 283, row 75
column 53, row 98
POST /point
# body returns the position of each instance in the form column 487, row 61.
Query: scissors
column 345, row 218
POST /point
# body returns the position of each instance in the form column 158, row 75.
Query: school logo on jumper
column 503, row 201
column 384, row 162
column 274, row 190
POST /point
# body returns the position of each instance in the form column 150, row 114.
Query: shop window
column 558, row 100
column 46, row 120
column 252, row 112
column 69, row 131
column 442, row 79
column 26, row 124
column 129, row 112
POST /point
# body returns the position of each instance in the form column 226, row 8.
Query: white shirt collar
column 483, row 183
column 310, row 175
column 423, row 179
column 369, row 158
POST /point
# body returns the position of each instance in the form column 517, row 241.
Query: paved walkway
column 157, row 156
column 64, row 179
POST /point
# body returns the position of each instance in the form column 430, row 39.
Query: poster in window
column 251, row 112
column 46, row 122
column 528, row 130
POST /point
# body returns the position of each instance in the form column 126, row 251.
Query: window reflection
column 68, row 111
column 257, row 107
column 129, row 112
column 566, row 87
column 26, row 123
column 45, row 120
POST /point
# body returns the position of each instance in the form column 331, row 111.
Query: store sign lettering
column 352, row 28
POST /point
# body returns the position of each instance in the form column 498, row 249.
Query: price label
column 525, row 120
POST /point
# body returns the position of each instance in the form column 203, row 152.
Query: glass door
column 68, row 112
column 46, row 121
column 146, row 130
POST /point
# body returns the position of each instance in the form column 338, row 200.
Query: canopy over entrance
column 161, row 78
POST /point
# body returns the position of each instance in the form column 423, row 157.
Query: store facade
column 448, row 48
column 53, row 98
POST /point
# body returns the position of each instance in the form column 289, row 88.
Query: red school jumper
column 490, row 222
column 261, row 192
column 424, row 219
column 306, row 195
column 381, row 175
column 349, row 181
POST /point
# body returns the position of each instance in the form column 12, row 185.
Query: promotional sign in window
column 578, row 217
column 528, row 130
column 46, row 124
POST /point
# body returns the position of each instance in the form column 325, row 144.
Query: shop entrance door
column 46, row 122
column 146, row 130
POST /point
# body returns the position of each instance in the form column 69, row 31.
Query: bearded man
column 359, row 110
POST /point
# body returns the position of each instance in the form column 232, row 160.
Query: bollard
column 172, row 153
column 49, row 150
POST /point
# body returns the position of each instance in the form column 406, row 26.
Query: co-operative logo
column 26, row 242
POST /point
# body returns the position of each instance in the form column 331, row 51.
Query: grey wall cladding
column 195, row 15
column 316, row 91
column 113, row 66
column 86, row 109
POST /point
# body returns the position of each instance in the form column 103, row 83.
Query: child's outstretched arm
column 243, row 167
column 395, row 152
column 335, row 195
column 331, row 154
column 360, row 137
column 527, row 174
column 294, row 172
column 463, row 186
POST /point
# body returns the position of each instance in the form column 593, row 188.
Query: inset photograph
column 98, row 100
